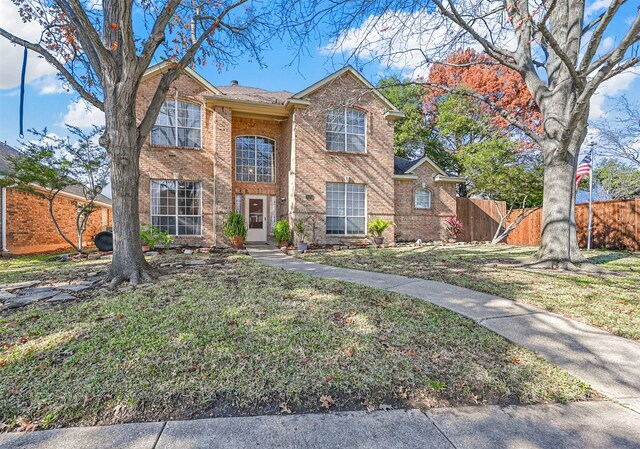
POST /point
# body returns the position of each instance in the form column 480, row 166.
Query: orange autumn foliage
column 480, row 73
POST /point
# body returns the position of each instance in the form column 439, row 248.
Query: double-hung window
column 255, row 158
column 346, row 130
column 177, row 125
column 423, row 199
column 176, row 207
column 346, row 210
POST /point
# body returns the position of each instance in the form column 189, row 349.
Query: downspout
column 4, row 220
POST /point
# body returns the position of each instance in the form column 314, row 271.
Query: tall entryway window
column 255, row 213
column 255, row 159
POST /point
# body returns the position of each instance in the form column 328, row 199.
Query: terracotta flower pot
column 283, row 244
column 237, row 242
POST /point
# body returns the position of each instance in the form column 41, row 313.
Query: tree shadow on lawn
column 253, row 339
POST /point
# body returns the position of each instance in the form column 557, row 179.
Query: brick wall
column 314, row 166
column 425, row 224
column 31, row 230
column 188, row 164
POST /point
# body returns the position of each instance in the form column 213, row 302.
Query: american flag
column 584, row 169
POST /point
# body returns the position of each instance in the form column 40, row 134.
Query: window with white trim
column 255, row 159
column 176, row 207
column 346, row 130
column 346, row 210
column 177, row 125
column 423, row 199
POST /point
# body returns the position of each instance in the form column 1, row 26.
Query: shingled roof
column 7, row 153
column 401, row 165
column 245, row 93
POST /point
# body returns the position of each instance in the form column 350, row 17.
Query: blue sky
column 46, row 105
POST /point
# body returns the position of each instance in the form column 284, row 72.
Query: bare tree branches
column 58, row 65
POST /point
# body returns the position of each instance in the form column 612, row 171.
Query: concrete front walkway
column 583, row 425
column 609, row 363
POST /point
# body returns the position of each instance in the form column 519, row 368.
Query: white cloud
column 607, row 43
column 83, row 115
column 409, row 41
column 10, row 68
column 595, row 7
column 614, row 87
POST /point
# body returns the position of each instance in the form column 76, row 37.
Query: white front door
column 255, row 213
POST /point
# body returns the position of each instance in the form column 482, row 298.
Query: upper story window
column 423, row 199
column 178, row 125
column 255, row 158
column 346, row 130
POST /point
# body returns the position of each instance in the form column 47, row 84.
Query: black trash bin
column 104, row 241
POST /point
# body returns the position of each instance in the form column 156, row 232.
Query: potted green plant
column 377, row 228
column 235, row 229
column 282, row 232
column 301, row 234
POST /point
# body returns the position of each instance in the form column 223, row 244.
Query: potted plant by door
column 235, row 229
column 282, row 232
column 301, row 234
column 377, row 228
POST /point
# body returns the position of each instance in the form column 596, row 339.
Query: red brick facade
column 426, row 224
column 29, row 228
column 303, row 166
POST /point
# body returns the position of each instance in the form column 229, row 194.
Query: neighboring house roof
column 7, row 152
column 405, row 169
column 254, row 94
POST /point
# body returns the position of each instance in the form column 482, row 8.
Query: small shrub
column 233, row 225
column 454, row 227
column 152, row 237
column 378, row 226
column 282, row 231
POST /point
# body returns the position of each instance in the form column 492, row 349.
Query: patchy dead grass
column 610, row 301
column 241, row 338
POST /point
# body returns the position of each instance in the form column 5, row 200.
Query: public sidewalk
column 611, row 364
column 582, row 425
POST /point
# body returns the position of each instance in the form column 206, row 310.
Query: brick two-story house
column 323, row 155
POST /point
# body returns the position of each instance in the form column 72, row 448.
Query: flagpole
column 589, row 229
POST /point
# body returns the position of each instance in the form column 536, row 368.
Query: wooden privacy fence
column 480, row 218
column 615, row 225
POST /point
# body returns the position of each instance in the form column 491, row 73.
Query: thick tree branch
column 594, row 42
column 172, row 74
column 157, row 35
column 57, row 64
column 553, row 43
column 86, row 33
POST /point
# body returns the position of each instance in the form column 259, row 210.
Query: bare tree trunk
column 558, row 221
column 128, row 262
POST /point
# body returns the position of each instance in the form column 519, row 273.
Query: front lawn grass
column 609, row 301
column 241, row 339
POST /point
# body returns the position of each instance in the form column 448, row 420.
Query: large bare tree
column 102, row 49
column 556, row 51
